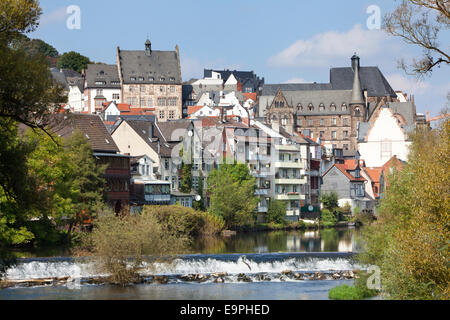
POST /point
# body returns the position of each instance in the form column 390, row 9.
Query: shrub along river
column 278, row 265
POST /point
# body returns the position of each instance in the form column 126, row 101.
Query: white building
column 385, row 137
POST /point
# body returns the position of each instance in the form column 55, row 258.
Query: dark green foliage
column 276, row 212
column 186, row 184
column 74, row 61
column 358, row 292
column 35, row 47
column 232, row 194
column 328, row 219
column 200, row 205
column 330, row 201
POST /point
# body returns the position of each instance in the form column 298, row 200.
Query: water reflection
column 328, row 240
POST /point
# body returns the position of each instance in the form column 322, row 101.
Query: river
column 258, row 258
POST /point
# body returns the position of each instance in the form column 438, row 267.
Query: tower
column 148, row 48
column 357, row 103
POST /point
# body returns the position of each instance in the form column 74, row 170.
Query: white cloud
column 331, row 47
column 408, row 85
column 55, row 16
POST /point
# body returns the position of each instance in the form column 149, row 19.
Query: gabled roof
column 105, row 73
column 374, row 173
column 371, row 79
column 91, row 126
column 157, row 65
column 342, row 168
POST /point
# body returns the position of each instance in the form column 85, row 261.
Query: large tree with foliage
column 422, row 23
column 68, row 177
column 74, row 61
column 231, row 189
column 28, row 95
column 410, row 240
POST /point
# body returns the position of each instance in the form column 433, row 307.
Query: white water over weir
column 192, row 264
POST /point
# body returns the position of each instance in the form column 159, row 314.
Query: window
column 299, row 107
column 333, row 121
column 333, row 134
column 100, row 82
column 344, row 107
column 357, row 112
column 172, row 102
column 300, row 122
column 162, row 79
column 166, row 164
column 150, row 102
column 171, row 114
column 284, row 121
column 345, row 134
column 386, row 149
column 116, row 96
column 311, row 107
column 143, row 89
column 131, row 89
column 115, row 83
column 345, row 146
column 161, row 89
column 310, row 122
column 133, row 78
column 162, row 114
column 172, row 79
column 141, row 78
column 99, row 92
column 333, row 107
column 322, row 134
column 142, row 102
column 162, row 102
column 345, row 121
column 322, row 122
column 132, row 101
column 322, row 107
column 172, row 89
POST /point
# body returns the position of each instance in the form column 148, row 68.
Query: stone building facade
column 331, row 112
column 152, row 80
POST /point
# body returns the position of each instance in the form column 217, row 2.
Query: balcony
column 262, row 192
column 289, row 165
column 260, row 174
column 290, row 196
column 287, row 147
column 157, row 198
column 291, row 181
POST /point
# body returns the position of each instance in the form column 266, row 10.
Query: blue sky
column 284, row 40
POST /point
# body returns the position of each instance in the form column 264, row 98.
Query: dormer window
column 311, row 107
column 151, row 79
column 299, row 107
column 162, row 79
column 172, row 79
column 322, row 107
column 141, row 78
column 333, row 107
column 344, row 107
column 133, row 78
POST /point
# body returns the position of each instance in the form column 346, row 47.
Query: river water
column 259, row 257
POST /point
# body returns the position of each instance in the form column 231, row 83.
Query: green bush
column 328, row 219
column 186, row 220
column 276, row 212
column 344, row 292
column 357, row 292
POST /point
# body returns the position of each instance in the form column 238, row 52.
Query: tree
column 28, row 95
column 200, row 205
column 186, row 184
column 68, row 180
column 74, row 61
column 420, row 22
column 330, row 201
column 410, row 240
column 276, row 211
column 232, row 194
column 34, row 47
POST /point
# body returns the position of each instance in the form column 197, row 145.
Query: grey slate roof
column 316, row 98
column 103, row 73
column 160, row 64
column 406, row 109
column 371, row 79
column 60, row 78
column 340, row 79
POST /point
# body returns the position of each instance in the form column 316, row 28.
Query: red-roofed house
column 348, row 183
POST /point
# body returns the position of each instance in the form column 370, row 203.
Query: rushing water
column 260, row 257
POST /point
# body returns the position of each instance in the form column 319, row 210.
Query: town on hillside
column 299, row 140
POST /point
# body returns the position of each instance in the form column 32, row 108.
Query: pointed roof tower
column 357, row 97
